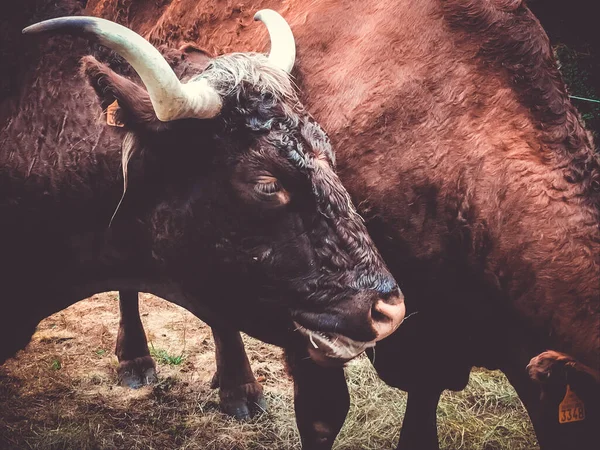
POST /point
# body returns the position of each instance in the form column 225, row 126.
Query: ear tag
column 111, row 115
column 571, row 409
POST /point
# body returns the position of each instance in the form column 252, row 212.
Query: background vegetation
column 573, row 30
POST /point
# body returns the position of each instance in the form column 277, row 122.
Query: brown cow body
column 456, row 138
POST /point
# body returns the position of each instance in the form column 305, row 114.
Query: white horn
column 283, row 46
column 171, row 99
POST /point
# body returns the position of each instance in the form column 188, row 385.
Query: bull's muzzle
column 332, row 349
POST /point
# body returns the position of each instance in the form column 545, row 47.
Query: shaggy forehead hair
column 233, row 75
column 239, row 75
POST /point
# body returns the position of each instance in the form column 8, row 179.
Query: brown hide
column 455, row 136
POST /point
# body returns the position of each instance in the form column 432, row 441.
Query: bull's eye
column 270, row 190
column 267, row 185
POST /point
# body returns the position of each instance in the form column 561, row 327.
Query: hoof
column 137, row 372
column 244, row 401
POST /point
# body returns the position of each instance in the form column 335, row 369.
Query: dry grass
column 61, row 393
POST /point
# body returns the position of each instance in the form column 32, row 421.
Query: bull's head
column 251, row 218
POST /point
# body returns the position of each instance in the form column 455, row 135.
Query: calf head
column 252, row 220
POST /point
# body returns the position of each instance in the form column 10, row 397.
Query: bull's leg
column 241, row 395
column 136, row 366
column 553, row 372
column 321, row 401
column 530, row 394
column 419, row 427
column 15, row 333
column 542, row 404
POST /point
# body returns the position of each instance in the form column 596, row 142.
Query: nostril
column 387, row 317
column 377, row 315
column 383, row 312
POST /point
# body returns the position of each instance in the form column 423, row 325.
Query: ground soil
column 61, row 392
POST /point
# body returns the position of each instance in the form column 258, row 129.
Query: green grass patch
column 163, row 357
column 56, row 364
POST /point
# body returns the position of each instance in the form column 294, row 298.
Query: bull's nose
column 388, row 314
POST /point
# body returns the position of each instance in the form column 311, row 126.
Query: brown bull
column 456, row 138
column 210, row 186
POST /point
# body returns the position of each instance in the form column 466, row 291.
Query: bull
column 456, row 138
column 212, row 187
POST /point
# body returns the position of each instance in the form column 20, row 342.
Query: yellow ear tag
column 111, row 115
column 571, row 409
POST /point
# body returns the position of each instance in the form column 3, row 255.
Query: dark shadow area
column 573, row 31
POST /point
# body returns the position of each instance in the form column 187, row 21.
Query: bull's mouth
column 332, row 349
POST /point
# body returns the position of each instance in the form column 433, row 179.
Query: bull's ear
column 133, row 108
column 199, row 57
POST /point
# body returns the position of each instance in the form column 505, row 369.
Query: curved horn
column 283, row 46
column 171, row 99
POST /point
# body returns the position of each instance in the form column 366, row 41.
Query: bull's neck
column 56, row 147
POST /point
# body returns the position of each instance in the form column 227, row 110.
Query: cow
column 456, row 139
column 212, row 187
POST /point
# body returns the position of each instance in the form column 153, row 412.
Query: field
column 61, row 393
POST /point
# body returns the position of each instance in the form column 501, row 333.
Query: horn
column 170, row 98
column 283, row 46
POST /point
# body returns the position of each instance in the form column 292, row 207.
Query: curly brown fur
column 510, row 40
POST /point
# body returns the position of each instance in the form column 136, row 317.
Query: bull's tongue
column 334, row 348
column 338, row 346
column 329, row 358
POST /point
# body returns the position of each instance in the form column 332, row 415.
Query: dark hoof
column 137, row 373
column 244, row 401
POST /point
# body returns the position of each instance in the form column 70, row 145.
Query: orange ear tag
column 111, row 115
column 571, row 409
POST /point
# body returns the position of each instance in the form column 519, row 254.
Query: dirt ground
column 61, row 392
